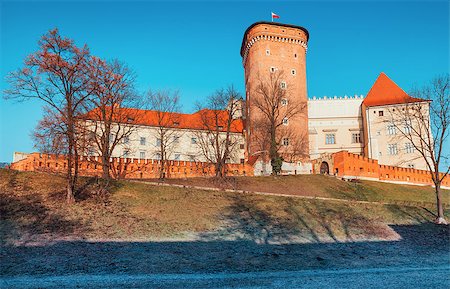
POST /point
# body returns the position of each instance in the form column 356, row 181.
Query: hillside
column 33, row 210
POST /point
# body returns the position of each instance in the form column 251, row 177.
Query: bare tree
column 110, row 121
column 165, row 105
column 425, row 125
column 217, row 140
column 49, row 135
column 275, row 106
column 57, row 75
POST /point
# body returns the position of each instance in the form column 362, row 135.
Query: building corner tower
column 269, row 48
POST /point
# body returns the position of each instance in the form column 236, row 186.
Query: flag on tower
column 274, row 16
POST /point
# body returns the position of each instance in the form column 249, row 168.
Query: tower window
column 295, row 55
column 293, row 72
column 284, row 102
column 380, row 113
column 267, row 52
column 283, row 85
column 285, row 141
column 272, row 69
column 285, row 121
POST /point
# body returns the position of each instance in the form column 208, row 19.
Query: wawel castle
column 346, row 136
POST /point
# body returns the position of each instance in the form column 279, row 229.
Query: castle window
column 142, row 141
column 407, row 127
column 283, row 84
column 293, row 72
column 126, row 139
column 284, row 101
column 142, row 155
column 380, row 113
column 177, row 157
column 267, row 52
column 409, row 148
column 330, row 138
column 285, row 141
column 176, row 139
column 241, row 146
column 158, row 141
column 157, row 156
column 391, row 129
column 193, row 140
column 356, row 137
column 285, row 121
column 392, row 149
column 126, row 153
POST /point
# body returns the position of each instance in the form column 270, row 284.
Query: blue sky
column 194, row 46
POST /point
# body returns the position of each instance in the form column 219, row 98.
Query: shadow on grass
column 286, row 220
column 25, row 215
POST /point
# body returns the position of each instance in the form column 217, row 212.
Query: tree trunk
column 105, row 167
column 70, row 187
column 440, row 210
column 219, row 169
column 70, row 199
column 273, row 149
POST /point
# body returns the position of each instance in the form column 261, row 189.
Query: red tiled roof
column 384, row 92
column 252, row 159
column 178, row 120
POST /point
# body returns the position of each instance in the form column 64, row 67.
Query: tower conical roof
column 384, row 92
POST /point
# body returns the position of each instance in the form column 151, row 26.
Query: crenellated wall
column 355, row 166
column 126, row 167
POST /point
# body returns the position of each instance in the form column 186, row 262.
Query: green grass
column 32, row 207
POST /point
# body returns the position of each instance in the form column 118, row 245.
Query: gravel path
column 398, row 277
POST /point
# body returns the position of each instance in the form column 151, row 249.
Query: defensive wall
column 342, row 164
column 348, row 165
column 126, row 167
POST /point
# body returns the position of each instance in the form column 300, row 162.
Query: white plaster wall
column 299, row 168
column 379, row 140
column 341, row 116
column 187, row 150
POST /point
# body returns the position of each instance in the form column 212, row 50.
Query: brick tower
column 269, row 47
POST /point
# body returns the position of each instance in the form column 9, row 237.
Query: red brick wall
column 285, row 54
column 127, row 168
column 349, row 164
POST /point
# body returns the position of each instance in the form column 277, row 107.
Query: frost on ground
column 418, row 245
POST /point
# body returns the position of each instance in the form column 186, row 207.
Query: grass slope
column 32, row 209
column 323, row 186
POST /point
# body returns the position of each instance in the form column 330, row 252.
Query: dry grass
column 323, row 186
column 32, row 209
